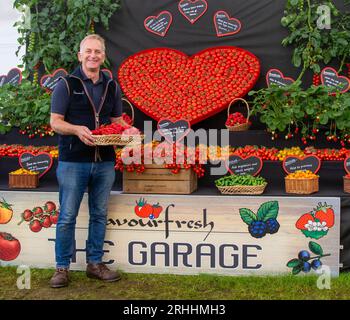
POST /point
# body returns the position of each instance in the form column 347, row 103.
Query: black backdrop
column 261, row 34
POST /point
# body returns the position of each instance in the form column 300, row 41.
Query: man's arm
column 65, row 128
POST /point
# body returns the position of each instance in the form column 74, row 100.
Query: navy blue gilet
column 81, row 112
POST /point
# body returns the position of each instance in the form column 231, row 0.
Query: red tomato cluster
column 165, row 83
column 263, row 152
column 236, row 118
column 328, row 154
column 16, row 150
column 39, row 217
column 127, row 119
column 114, row 128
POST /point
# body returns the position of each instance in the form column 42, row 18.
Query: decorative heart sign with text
column 226, row 26
column 239, row 166
column 13, row 77
column 347, row 165
column 166, row 83
column 160, row 24
column 192, row 10
column 292, row 164
column 173, row 131
column 275, row 76
column 42, row 162
column 49, row 81
column 330, row 78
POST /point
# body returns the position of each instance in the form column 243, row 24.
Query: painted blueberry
column 272, row 226
column 257, row 229
column 304, row 255
column 306, row 267
column 151, row 216
column 316, row 264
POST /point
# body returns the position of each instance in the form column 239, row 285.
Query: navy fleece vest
column 82, row 112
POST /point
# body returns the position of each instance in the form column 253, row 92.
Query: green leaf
column 314, row 234
column 315, row 248
column 247, row 215
column 268, row 210
column 296, row 270
column 294, row 263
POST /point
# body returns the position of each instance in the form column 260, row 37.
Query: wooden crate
column 346, row 184
column 26, row 181
column 157, row 179
column 302, row 186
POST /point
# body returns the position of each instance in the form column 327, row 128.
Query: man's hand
column 85, row 135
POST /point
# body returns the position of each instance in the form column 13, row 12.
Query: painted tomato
column 10, row 247
column 6, row 212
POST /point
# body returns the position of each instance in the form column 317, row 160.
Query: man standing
column 81, row 102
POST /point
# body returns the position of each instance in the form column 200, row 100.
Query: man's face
column 91, row 55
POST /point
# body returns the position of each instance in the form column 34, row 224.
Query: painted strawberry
column 27, row 215
column 325, row 213
column 143, row 209
column 37, row 211
column 49, row 206
column 54, row 216
column 35, row 226
column 157, row 209
column 303, row 220
column 46, row 221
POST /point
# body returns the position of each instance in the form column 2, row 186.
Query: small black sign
column 49, row 81
column 347, row 165
column 225, row 25
column 330, row 78
column 160, row 24
column 13, row 77
column 292, row 164
column 276, row 77
column 173, row 131
column 239, row 166
column 41, row 162
column 193, row 10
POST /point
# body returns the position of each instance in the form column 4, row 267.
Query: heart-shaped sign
column 276, row 77
column 49, row 81
column 192, row 10
column 173, row 131
column 239, row 166
column 226, row 26
column 347, row 165
column 13, row 77
column 160, row 24
column 292, row 164
column 108, row 73
column 330, row 78
column 166, row 83
column 42, row 162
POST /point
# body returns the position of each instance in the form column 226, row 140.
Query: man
column 82, row 102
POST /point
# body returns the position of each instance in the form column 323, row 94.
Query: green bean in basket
column 243, row 180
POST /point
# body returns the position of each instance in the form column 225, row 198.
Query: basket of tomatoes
column 302, row 182
column 129, row 120
column 237, row 121
column 116, row 134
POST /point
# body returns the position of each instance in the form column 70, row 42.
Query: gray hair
column 95, row 37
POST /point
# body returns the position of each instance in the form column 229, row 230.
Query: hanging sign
column 330, row 78
column 160, row 24
column 292, row 164
column 41, row 162
column 224, row 25
column 193, row 10
column 49, row 81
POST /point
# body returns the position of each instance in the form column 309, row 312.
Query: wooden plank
column 159, row 186
column 158, row 174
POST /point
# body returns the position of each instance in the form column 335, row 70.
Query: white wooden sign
column 188, row 234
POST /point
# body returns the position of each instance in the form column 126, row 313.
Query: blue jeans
column 73, row 179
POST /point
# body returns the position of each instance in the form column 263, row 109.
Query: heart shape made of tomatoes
column 166, row 83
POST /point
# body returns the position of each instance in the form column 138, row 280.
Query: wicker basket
column 27, row 181
column 132, row 109
column 117, row 139
column 243, row 126
column 243, row 189
column 346, row 184
column 301, row 186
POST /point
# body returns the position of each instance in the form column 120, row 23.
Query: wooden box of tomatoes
column 23, row 179
column 157, row 179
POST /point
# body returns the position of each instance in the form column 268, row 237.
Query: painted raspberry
column 257, row 229
column 272, row 226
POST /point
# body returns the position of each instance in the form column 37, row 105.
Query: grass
column 172, row 287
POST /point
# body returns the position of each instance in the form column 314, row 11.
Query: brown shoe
column 101, row 272
column 60, row 278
